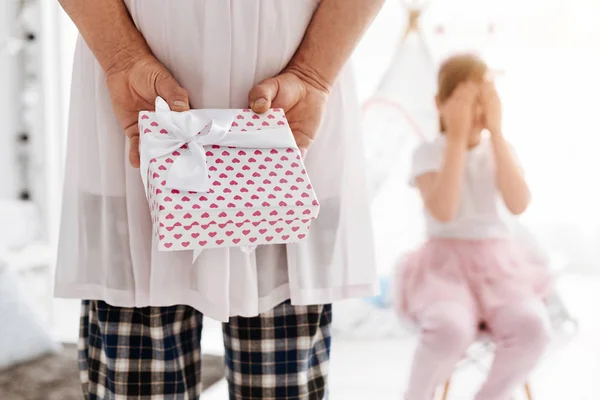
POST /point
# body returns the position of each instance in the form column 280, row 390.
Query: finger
column 484, row 94
column 459, row 90
column 132, row 130
column 462, row 95
column 261, row 96
column 168, row 88
column 470, row 94
column 303, row 152
column 471, row 89
column 462, row 90
column 488, row 91
column 492, row 88
column 134, row 151
column 488, row 80
column 303, row 141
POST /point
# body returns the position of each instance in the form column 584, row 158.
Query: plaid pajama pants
column 154, row 353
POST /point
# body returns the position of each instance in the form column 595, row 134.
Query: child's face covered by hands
column 487, row 110
column 463, row 113
column 480, row 110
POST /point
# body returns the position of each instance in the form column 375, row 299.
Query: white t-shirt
column 482, row 213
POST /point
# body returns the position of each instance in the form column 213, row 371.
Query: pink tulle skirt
column 481, row 274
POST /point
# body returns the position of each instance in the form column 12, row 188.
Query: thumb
column 176, row 96
column 261, row 96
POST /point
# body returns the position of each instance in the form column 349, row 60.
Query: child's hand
column 457, row 111
column 492, row 107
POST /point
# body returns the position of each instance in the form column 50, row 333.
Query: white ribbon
column 196, row 129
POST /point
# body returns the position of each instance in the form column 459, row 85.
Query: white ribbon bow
column 196, row 129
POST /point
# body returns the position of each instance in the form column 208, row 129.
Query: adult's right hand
column 457, row 111
column 134, row 87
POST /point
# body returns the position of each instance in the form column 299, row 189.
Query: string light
column 15, row 42
column 21, row 46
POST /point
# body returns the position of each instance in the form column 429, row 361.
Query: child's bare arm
column 441, row 190
column 509, row 176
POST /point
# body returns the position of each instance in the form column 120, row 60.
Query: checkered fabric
column 139, row 353
column 154, row 353
column 282, row 354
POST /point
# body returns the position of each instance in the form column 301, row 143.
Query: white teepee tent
column 401, row 110
column 410, row 79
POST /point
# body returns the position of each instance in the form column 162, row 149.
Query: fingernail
column 179, row 103
column 260, row 102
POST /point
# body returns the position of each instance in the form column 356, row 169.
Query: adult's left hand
column 301, row 98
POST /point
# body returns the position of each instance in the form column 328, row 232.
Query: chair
column 562, row 324
column 527, row 388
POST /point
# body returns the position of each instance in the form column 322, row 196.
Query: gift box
column 223, row 178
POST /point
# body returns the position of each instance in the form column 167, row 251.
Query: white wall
column 53, row 122
column 50, row 61
column 8, row 184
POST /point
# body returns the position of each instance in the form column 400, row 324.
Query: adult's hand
column 301, row 98
column 302, row 88
column 134, row 76
column 134, row 88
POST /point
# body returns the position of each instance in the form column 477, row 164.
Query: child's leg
column 447, row 330
column 521, row 333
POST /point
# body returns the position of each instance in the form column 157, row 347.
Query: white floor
column 377, row 369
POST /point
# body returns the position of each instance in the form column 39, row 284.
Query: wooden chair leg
column 528, row 392
column 446, row 390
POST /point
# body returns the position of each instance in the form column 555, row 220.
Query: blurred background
column 545, row 57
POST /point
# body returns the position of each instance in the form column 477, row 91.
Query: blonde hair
column 455, row 70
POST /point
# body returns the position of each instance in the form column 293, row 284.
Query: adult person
column 142, row 309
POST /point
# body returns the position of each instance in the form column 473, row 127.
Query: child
column 469, row 276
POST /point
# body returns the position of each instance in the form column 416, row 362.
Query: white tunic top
column 217, row 50
column 482, row 213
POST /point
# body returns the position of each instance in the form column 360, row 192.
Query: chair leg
column 446, row 390
column 528, row 392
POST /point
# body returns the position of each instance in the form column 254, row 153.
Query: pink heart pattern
column 235, row 212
